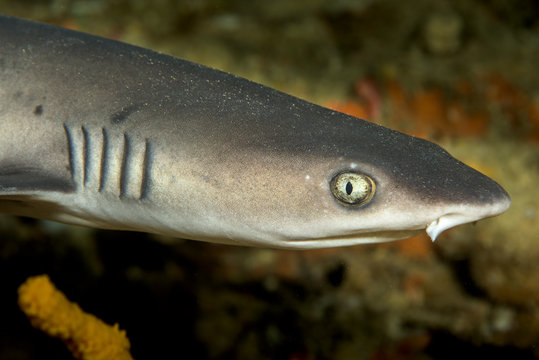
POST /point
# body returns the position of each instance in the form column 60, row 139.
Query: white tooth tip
column 431, row 230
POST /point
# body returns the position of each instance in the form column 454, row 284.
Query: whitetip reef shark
column 103, row 134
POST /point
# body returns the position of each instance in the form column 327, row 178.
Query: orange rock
column 367, row 90
column 429, row 113
column 70, row 24
column 399, row 105
column 464, row 88
column 533, row 116
column 509, row 99
column 349, row 107
column 418, row 246
column 463, row 123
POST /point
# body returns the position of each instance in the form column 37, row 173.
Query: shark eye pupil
column 349, row 188
column 352, row 188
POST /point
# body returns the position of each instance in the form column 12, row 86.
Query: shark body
column 104, row 134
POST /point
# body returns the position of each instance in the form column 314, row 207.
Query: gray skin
column 104, row 134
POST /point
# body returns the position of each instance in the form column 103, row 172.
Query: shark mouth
column 445, row 222
column 467, row 215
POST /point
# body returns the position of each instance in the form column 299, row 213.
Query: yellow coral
column 86, row 336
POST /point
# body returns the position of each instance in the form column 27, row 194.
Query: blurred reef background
column 462, row 73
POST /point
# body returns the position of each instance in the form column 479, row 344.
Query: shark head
column 333, row 181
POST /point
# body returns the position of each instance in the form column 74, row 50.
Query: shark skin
column 103, row 134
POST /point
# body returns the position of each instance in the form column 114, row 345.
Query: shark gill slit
column 70, row 147
column 144, row 183
column 124, row 170
column 85, row 155
column 103, row 172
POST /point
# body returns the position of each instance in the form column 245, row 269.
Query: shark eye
column 352, row 188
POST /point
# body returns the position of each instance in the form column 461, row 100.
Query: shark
column 103, row 134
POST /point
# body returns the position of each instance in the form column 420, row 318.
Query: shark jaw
column 468, row 215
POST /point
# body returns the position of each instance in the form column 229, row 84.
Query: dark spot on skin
column 38, row 111
column 122, row 115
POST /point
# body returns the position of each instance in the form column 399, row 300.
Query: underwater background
column 462, row 73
